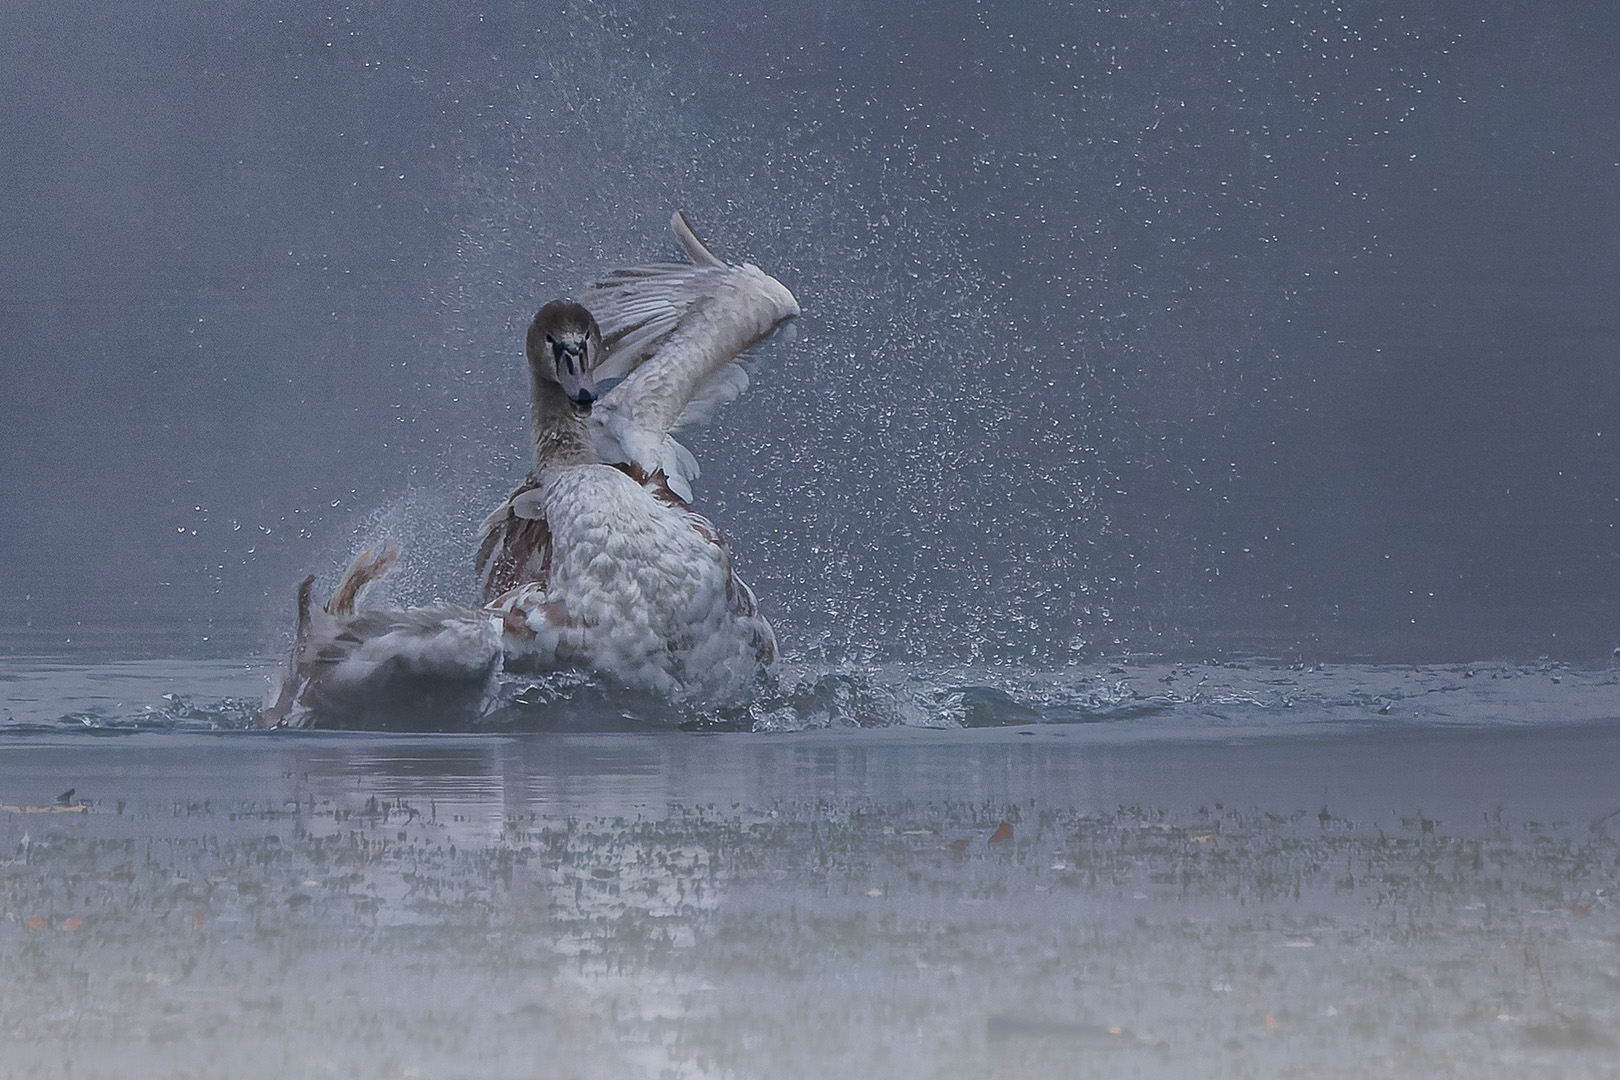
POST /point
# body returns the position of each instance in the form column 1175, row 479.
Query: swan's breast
column 615, row 543
column 639, row 586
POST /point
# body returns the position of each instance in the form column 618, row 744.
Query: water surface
column 1237, row 871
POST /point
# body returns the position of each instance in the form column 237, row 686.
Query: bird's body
column 637, row 586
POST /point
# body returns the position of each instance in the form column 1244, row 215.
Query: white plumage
column 638, row 589
column 673, row 332
column 597, row 560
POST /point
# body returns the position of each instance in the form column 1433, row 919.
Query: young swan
column 564, row 346
column 598, row 560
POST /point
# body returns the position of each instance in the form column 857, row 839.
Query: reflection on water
column 919, row 903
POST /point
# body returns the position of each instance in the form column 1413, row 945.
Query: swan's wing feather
column 668, row 348
column 726, row 386
column 695, row 249
column 373, row 563
column 514, row 544
column 672, row 458
column 672, row 333
column 346, row 661
column 636, row 308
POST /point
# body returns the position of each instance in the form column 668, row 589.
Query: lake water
column 1220, row 870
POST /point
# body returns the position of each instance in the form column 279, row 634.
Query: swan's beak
column 575, row 380
column 579, row 389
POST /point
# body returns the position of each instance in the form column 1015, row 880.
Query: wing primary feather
column 673, row 334
column 372, row 564
column 694, row 247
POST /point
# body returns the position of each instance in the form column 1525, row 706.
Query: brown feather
column 516, row 552
column 513, row 551
column 368, row 566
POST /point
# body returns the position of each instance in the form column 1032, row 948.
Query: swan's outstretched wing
column 671, row 331
column 360, row 667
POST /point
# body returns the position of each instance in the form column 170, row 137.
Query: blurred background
column 1181, row 328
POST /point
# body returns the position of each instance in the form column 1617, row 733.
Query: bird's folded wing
column 671, row 333
column 514, row 544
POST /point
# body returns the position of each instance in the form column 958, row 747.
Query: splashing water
column 1135, row 702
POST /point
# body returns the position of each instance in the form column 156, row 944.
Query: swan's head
column 565, row 347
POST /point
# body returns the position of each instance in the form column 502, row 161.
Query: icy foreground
column 1016, row 902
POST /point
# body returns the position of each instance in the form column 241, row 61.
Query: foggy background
column 1148, row 327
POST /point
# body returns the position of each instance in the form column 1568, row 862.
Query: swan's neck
column 557, row 427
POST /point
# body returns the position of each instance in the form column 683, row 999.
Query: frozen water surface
column 1230, row 871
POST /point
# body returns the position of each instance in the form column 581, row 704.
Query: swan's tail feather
column 695, row 249
column 305, row 587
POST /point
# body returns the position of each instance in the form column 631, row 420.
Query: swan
column 410, row 668
column 597, row 559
